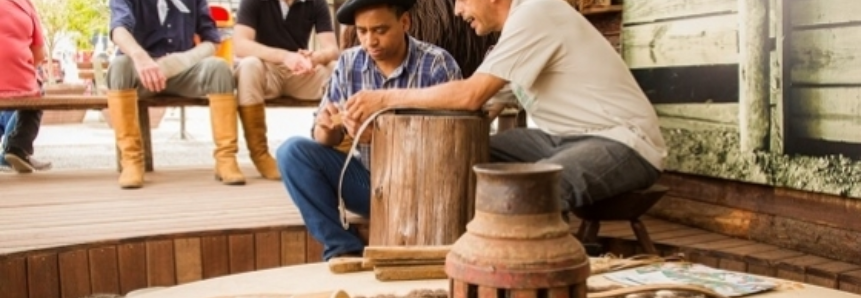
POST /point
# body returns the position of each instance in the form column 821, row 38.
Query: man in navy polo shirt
column 271, row 37
column 159, row 56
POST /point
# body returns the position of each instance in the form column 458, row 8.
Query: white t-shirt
column 570, row 80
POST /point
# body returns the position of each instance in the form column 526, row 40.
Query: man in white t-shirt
column 592, row 117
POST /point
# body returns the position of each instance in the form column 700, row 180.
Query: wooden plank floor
column 63, row 208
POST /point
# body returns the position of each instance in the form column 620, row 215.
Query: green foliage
column 78, row 18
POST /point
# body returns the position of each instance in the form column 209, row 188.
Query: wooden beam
column 819, row 12
column 690, row 42
column 641, row 11
column 830, row 114
column 778, row 105
column 754, row 97
column 693, row 125
column 726, row 113
column 826, row 56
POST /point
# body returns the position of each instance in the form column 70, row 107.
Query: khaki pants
column 209, row 76
column 258, row 81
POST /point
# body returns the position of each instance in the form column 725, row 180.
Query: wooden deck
column 75, row 233
column 63, row 208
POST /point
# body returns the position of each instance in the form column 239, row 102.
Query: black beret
column 347, row 13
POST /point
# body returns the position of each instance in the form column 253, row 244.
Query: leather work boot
column 223, row 115
column 123, row 110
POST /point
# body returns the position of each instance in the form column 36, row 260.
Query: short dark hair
column 399, row 10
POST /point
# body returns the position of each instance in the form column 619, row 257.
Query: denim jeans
column 593, row 168
column 310, row 173
column 18, row 130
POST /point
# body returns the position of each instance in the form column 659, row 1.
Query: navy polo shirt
column 140, row 17
column 291, row 33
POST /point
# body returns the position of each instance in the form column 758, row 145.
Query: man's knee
column 217, row 76
column 250, row 81
column 294, row 149
column 122, row 74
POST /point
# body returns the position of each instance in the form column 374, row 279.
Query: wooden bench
column 98, row 102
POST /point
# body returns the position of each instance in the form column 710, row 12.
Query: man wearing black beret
column 311, row 168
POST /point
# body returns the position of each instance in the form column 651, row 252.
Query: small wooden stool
column 628, row 206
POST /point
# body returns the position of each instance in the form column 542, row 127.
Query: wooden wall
column 119, row 267
column 823, row 57
column 685, row 56
column 817, row 224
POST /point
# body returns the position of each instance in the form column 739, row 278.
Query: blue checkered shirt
column 425, row 65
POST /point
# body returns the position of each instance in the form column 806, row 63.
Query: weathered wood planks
column 423, row 187
column 641, row 11
column 689, row 42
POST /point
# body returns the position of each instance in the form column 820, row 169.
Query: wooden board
column 68, row 213
column 826, row 56
column 104, row 270
column 640, row 11
column 701, row 41
column 831, row 114
column 74, row 273
column 410, row 207
column 724, row 113
column 13, row 278
column 819, row 12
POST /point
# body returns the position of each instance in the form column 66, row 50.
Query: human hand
column 315, row 57
column 329, row 118
column 362, row 104
column 298, row 63
column 353, row 129
column 150, row 75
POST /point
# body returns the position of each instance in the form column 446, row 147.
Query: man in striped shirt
column 310, row 168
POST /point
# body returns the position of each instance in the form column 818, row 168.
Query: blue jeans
column 593, row 168
column 310, row 173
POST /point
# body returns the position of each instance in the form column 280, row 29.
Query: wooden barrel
column 422, row 184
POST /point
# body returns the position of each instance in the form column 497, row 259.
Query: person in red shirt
column 23, row 50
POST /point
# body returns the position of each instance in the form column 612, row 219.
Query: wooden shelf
column 602, row 10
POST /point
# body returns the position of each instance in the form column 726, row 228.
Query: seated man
column 158, row 56
column 24, row 50
column 275, row 63
column 592, row 117
column 387, row 58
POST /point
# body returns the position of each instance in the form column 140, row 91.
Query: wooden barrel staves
column 422, row 184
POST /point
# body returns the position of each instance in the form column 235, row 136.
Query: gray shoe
column 24, row 165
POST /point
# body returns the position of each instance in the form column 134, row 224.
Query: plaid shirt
column 425, row 65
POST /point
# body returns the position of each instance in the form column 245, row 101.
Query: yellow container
column 224, row 21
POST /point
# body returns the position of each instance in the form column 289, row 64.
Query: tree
column 78, row 19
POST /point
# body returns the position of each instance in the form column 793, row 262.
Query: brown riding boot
column 123, row 110
column 222, row 110
column 254, row 124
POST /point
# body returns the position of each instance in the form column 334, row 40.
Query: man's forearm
column 247, row 47
column 453, row 95
column 127, row 43
column 38, row 55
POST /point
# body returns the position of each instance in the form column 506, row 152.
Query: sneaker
column 24, row 165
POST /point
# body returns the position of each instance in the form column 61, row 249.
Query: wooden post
column 422, row 184
column 754, row 96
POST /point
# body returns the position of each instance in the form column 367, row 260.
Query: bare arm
column 469, row 94
column 38, row 54
column 246, row 46
column 328, row 51
column 127, row 43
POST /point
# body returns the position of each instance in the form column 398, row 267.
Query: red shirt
column 20, row 30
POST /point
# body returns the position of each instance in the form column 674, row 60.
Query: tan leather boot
column 254, row 124
column 123, row 110
column 222, row 110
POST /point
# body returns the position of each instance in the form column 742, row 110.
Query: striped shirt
column 425, row 65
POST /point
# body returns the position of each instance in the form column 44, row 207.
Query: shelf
column 602, row 10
